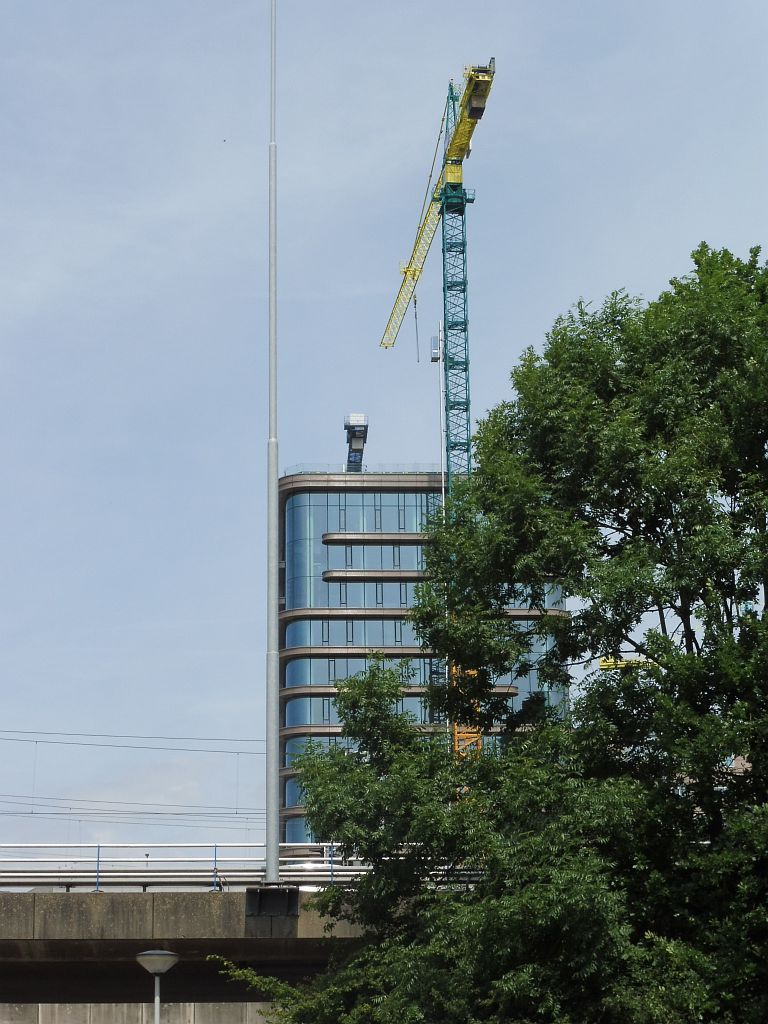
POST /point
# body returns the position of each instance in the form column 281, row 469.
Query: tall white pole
column 272, row 865
column 157, row 999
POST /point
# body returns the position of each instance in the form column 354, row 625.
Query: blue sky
column 133, row 304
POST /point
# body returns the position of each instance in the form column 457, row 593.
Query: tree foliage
column 630, row 469
column 611, row 868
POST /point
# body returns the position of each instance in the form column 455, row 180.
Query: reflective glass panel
column 296, row 831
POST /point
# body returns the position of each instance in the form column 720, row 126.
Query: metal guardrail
column 217, row 867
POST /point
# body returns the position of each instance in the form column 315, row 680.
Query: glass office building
column 351, row 554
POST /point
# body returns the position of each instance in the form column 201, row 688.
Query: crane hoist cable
column 416, row 325
column 429, row 189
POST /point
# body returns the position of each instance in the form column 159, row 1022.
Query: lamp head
column 157, row 961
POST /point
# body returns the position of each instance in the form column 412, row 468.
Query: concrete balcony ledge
column 374, row 538
column 373, row 575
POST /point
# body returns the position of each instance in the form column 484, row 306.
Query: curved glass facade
column 298, row 744
column 293, row 795
column 309, row 516
column 322, row 711
column 327, row 531
column 309, row 711
column 328, row 671
column 314, row 543
column 296, row 831
column 375, row 633
column 314, row 593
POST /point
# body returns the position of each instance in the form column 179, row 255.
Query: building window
column 293, row 795
column 375, row 633
column 310, row 711
column 296, row 831
column 316, row 671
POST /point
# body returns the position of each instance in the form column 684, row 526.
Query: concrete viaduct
column 69, row 957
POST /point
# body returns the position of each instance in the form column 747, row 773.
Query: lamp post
column 157, row 962
column 272, row 838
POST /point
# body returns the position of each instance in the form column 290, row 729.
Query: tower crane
column 447, row 205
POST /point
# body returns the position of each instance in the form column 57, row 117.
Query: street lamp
column 157, row 962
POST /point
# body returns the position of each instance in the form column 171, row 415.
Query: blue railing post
column 98, row 867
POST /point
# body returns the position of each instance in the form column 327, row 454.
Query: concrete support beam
column 93, row 915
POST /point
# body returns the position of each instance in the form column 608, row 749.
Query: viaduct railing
column 147, row 867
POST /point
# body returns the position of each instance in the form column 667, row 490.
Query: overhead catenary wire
column 51, row 814
column 245, row 823
column 57, row 810
column 69, row 800
column 131, row 746
column 132, row 736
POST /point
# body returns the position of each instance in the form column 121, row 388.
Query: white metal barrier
column 145, row 867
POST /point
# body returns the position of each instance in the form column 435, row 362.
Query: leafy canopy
column 612, row 868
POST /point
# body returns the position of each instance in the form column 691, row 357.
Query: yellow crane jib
column 472, row 107
column 622, row 664
column 412, row 270
column 478, row 81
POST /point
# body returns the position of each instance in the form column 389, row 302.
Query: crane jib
column 471, row 107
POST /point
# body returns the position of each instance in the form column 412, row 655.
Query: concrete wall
column 132, row 1013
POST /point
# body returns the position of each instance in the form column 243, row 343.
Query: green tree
column 492, row 894
column 630, row 469
column 612, row 868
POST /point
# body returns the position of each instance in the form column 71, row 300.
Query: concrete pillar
column 220, row 1013
column 257, row 1013
column 64, row 1013
column 116, row 1013
column 18, row 1013
column 170, row 1013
